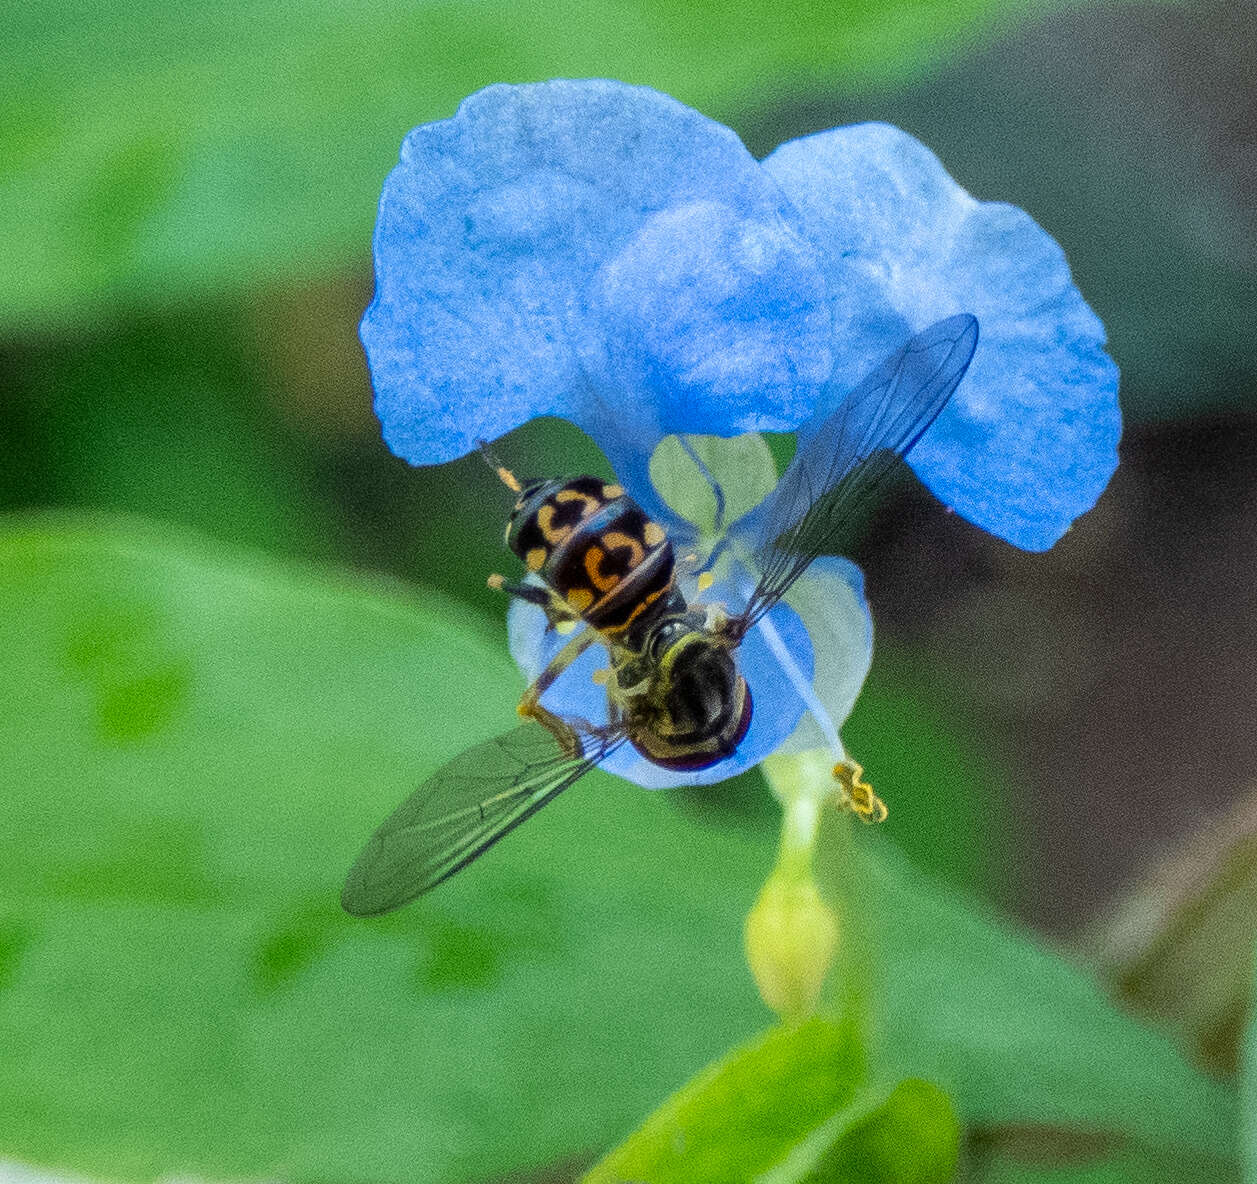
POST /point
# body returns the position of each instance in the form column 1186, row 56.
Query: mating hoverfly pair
column 674, row 691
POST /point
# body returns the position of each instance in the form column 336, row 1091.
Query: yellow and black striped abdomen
column 595, row 547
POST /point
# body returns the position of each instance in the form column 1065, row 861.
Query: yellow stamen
column 856, row 795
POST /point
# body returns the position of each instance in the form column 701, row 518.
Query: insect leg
column 530, row 705
column 533, row 593
column 559, row 613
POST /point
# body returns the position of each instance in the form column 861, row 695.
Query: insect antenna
column 505, row 475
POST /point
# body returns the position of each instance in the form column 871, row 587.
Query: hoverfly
column 674, row 691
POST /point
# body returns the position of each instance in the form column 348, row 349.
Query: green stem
column 801, row 782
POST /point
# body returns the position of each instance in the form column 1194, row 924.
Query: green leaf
column 165, row 417
column 912, row 1138
column 1014, row 1034
column 194, row 745
column 1248, row 1100
column 152, row 154
column 922, row 752
column 744, row 1115
column 789, row 1108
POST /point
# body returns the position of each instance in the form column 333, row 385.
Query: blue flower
column 603, row 253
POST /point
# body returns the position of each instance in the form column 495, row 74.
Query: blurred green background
column 229, row 616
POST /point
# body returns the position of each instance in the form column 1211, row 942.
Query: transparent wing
column 462, row 810
column 842, row 462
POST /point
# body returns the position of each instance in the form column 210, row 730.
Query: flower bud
column 791, row 936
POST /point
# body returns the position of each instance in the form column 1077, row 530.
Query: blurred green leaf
column 923, row 753
column 789, row 1108
column 168, row 417
column 1248, row 1101
column 1012, row 1033
column 151, row 152
column 193, row 748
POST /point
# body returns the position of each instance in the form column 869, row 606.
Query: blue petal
column 885, row 413
column 590, row 250
column 1029, row 440
column 777, row 707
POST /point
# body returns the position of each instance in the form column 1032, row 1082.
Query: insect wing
column 461, row 811
column 842, row 462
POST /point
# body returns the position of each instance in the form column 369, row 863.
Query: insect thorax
column 691, row 706
column 597, row 549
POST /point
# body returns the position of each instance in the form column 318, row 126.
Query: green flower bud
column 791, row 938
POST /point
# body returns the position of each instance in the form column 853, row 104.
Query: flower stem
column 791, row 932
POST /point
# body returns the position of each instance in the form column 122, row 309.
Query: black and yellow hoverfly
column 674, row 691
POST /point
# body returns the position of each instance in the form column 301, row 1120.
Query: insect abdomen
column 595, row 547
